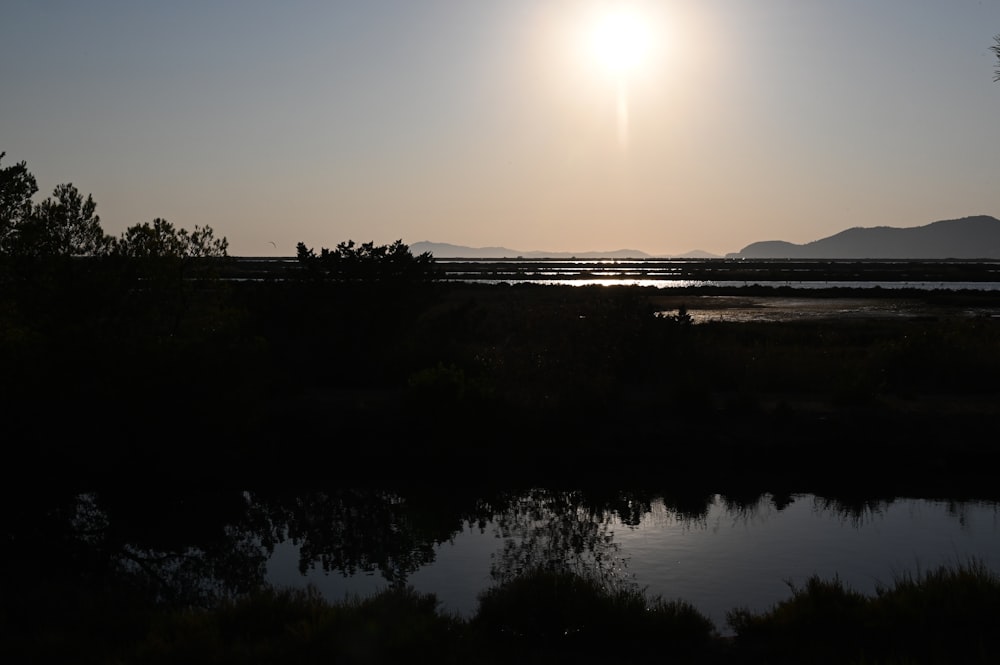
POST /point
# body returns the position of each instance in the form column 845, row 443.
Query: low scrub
column 947, row 615
column 546, row 612
column 394, row 626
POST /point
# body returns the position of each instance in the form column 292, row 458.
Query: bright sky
column 523, row 123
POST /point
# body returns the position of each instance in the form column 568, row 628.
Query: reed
column 945, row 615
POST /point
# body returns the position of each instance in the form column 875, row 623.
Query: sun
column 620, row 39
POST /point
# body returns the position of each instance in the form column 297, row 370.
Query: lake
column 812, row 274
column 716, row 552
column 747, row 309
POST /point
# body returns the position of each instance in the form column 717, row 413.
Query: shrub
column 547, row 612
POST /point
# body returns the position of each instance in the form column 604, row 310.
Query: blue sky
column 492, row 122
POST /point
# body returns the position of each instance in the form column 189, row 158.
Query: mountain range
column 444, row 250
column 976, row 237
column 966, row 238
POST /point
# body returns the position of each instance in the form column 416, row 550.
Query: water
column 719, row 555
column 671, row 283
column 704, row 309
column 811, row 274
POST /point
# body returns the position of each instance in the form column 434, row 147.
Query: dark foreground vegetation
column 143, row 355
column 139, row 362
column 946, row 616
column 118, row 369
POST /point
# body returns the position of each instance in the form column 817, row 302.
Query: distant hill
column 966, row 238
column 694, row 254
column 445, row 250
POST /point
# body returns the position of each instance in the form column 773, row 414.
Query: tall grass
column 945, row 615
column 544, row 612
column 397, row 625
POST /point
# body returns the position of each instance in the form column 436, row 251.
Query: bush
column 553, row 612
column 948, row 615
column 395, row 626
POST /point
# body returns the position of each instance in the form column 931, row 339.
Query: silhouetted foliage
column 946, row 615
column 65, row 224
column 162, row 240
column 17, row 186
column 575, row 617
column 996, row 51
column 367, row 262
column 399, row 369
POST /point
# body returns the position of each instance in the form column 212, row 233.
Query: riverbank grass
column 945, row 615
column 544, row 615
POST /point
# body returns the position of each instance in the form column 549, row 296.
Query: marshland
column 373, row 417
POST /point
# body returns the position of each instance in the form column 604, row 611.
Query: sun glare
column 620, row 39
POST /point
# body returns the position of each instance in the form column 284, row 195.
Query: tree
column 162, row 240
column 65, row 224
column 368, row 262
column 303, row 253
column 17, row 186
column 202, row 243
column 996, row 51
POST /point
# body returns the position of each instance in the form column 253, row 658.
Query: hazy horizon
column 500, row 123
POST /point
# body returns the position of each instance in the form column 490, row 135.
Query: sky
column 517, row 123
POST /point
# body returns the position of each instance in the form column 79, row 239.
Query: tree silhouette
column 161, row 240
column 996, row 51
column 17, row 186
column 367, row 262
column 65, row 224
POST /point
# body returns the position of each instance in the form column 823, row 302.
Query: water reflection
column 717, row 551
column 560, row 531
column 734, row 309
column 363, row 531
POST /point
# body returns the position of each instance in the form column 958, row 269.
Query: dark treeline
column 539, row 384
column 109, row 373
column 131, row 357
column 508, row 383
column 128, row 362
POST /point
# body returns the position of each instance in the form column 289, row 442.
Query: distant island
column 976, row 237
column 966, row 238
column 444, row 250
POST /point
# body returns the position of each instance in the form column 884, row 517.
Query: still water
column 719, row 555
column 744, row 309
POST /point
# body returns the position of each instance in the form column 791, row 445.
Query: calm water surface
column 771, row 308
column 730, row 555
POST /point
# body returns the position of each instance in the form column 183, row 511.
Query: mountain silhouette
column 966, row 238
column 446, row 250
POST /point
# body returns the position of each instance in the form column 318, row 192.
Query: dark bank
column 108, row 372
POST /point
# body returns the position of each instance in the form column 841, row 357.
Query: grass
column 294, row 626
column 551, row 613
column 947, row 615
